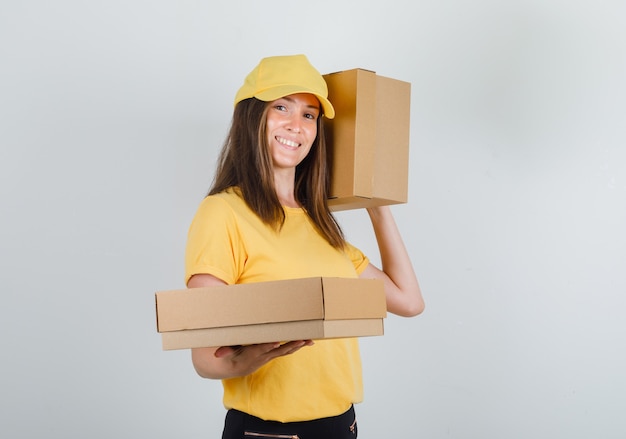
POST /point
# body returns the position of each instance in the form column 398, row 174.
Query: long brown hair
column 245, row 162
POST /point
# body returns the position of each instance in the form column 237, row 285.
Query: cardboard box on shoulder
column 368, row 139
column 295, row 309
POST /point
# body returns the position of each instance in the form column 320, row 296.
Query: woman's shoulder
column 231, row 196
column 228, row 200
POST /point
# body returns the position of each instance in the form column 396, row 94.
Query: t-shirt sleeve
column 213, row 242
column 359, row 260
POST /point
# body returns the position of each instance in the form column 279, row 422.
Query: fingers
column 292, row 347
column 272, row 350
column 243, row 360
column 286, row 349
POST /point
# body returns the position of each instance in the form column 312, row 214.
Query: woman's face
column 292, row 128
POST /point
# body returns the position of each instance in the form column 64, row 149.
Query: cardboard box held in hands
column 296, row 309
column 368, row 139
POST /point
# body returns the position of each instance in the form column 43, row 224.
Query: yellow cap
column 278, row 76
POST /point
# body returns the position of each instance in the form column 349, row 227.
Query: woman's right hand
column 235, row 361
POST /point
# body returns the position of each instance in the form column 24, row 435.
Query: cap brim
column 282, row 91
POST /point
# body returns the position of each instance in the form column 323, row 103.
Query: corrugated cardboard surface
column 232, row 305
column 368, row 139
column 309, row 308
column 353, row 298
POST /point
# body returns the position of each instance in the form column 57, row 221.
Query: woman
column 266, row 218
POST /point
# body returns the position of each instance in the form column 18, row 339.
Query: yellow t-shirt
column 226, row 239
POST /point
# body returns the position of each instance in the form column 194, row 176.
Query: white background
column 111, row 116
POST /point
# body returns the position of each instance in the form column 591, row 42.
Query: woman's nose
column 294, row 124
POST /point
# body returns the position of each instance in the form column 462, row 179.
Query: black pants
column 239, row 425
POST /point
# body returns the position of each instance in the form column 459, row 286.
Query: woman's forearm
column 404, row 296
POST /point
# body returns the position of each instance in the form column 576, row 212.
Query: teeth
column 287, row 142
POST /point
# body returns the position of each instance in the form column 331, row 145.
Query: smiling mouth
column 287, row 142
